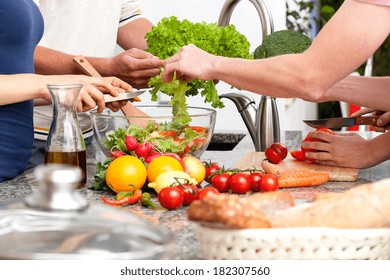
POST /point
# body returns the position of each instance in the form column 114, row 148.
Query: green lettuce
column 170, row 35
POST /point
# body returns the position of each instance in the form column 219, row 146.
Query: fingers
column 362, row 111
column 90, row 98
column 384, row 119
column 118, row 83
column 116, row 105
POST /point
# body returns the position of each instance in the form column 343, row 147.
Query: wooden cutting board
column 339, row 174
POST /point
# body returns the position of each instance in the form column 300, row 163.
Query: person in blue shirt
column 21, row 28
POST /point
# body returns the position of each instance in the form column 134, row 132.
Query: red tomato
column 269, row 182
column 308, row 138
column 171, row 197
column 272, row 156
column 221, row 182
column 191, row 193
column 276, row 152
column 280, row 149
column 168, row 133
column 199, row 129
column 240, row 183
column 211, row 167
column 200, row 140
column 255, row 178
column 298, row 155
column 206, row 191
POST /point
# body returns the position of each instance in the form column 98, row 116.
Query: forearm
column 281, row 76
column 379, row 147
column 51, row 62
column 22, row 87
column 371, row 92
column 341, row 46
column 132, row 35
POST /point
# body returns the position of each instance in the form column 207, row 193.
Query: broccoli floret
column 282, row 42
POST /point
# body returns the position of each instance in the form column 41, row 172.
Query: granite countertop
column 186, row 245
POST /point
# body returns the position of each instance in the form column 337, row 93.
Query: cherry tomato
column 276, row 152
column 221, row 182
column 211, row 167
column 240, row 183
column 191, row 193
column 298, row 155
column 171, row 197
column 131, row 143
column 269, row 182
column 206, row 191
column 255, row 178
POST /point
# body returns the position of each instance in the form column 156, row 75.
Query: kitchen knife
column 128, row 95
column 342, row 122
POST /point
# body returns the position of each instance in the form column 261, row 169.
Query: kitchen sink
column 224, row 141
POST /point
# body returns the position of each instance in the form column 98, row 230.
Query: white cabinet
column 246, row 19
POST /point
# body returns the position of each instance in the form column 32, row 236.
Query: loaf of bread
column 239, row 212
column 365, row 206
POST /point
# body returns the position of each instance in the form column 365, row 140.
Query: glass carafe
column 65, row 143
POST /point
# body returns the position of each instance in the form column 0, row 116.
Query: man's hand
column 136, row 67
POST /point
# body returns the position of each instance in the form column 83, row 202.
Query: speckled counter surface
column 186, row 245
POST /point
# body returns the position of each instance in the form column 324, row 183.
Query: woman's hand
column 344, row 150
column 183, row 63
column 92, row 93
column 383, row 122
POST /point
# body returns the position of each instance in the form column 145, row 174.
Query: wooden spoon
column 128, row 109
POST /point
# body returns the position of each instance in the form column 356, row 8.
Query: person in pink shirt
column 320, row 74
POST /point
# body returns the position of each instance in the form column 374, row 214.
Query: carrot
column 271, row 168
column 302, row 178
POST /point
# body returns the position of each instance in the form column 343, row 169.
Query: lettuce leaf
column 170, row 35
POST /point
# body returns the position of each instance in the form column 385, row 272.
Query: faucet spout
column 262, row 10
column 247, row 108
column 262, row 121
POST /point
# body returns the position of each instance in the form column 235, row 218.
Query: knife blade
column 123, row 96
column 342, row 122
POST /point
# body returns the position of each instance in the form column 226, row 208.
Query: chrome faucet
column 261, row 121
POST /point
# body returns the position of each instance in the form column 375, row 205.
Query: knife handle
column 368, row 120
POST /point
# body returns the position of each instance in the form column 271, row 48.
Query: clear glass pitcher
column 65, row 143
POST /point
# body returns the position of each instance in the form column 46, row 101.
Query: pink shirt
column 377, row 2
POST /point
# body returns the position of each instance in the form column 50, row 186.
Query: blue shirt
column 21, row 28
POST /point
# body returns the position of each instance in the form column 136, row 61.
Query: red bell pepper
column 129, row 199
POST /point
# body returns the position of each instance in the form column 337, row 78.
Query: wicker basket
column 294, row 243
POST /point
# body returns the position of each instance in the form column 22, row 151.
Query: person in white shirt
column 94, row 29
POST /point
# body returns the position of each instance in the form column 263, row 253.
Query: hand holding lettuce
column 170, row 35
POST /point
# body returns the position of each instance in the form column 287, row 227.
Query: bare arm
column 134, row 65
column 349, row 38
column 22, row 87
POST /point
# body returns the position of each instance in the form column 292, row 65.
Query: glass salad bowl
column 156, row 131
